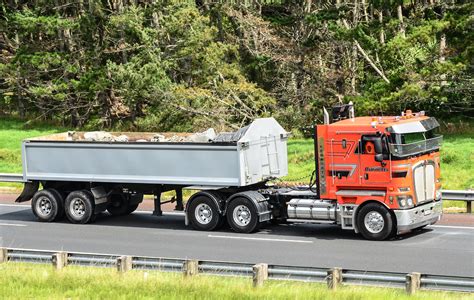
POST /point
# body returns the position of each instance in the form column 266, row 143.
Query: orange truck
column 377, row 176
column 383, row 172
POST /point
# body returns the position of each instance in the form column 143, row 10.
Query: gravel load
column 207, row 136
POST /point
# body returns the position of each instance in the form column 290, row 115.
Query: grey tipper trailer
column 81, row 178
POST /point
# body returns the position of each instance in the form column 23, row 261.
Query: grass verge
column 31, row 281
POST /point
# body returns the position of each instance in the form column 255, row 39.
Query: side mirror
column 379, row 157
column 378, row 145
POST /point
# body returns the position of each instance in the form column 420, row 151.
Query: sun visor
column 418, row 126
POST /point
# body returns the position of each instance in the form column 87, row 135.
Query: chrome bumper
column 426, row 214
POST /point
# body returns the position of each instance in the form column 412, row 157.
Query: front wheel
column 375, row 222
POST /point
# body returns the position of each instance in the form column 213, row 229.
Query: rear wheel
column 375, row 222
column 80, row 207
column 242, row 215
column 47, row 205
column 203, row 214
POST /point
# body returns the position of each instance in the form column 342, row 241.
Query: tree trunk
column 400, row 20
column 382, row 32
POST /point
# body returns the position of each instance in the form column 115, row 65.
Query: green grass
column 30, row 281
column 12, row 132
column 457, row 156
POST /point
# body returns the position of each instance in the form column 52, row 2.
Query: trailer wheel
column 79, row 207
column 47, row 205
column 203, row 214
column 242, row 215
column 375, row 222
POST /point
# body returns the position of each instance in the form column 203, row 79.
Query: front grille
column 424, row 181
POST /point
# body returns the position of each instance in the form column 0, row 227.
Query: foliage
column 187, row 65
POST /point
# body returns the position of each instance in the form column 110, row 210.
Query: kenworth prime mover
column 378, row 176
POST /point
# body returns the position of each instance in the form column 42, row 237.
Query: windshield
column 412, row 143
column 413, row 137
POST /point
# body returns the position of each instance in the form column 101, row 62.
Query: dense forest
column 185, row 65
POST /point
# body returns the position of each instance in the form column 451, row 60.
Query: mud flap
column 29, row 189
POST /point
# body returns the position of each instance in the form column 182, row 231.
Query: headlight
column 438, row 195
column 405, row 201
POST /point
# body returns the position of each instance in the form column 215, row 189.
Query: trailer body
column 259, row 154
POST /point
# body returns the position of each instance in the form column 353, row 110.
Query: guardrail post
column 469, row 207
column 413, row 281
column 190, row 267
column 260, row 274
column 3, row 255
column 124, row 264
column 334, row 278
column 59, row 260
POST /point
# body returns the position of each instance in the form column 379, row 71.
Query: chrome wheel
column 203, row 213
column 242, row 215
column 44, row 206
column 77, row 207
column 374, row 222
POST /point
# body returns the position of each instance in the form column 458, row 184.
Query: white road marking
column 11, row 224
column 15, row 205
column 453, row 227
column 258, row 239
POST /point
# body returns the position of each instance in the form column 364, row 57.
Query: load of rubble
column 207, row 136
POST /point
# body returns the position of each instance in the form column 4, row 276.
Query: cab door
column 343, row 164
column 373, row 172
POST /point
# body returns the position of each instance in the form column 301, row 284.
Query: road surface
column 438, row 249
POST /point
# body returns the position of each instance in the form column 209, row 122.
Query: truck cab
column 380, row 170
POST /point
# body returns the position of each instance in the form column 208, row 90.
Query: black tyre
column 375, row 222
column 120, row 204
column 47, row 205
column 80, row 207
column 203, row 214
column 242, row 215
column 131, row 208
column 60, row 196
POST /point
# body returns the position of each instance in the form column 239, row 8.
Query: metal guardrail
column 275, row 272
column 466, row 196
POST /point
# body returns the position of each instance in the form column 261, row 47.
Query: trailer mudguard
column 29, row 189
